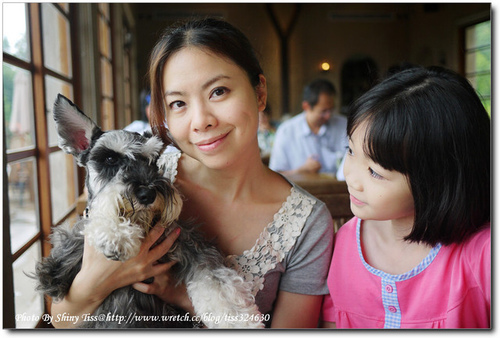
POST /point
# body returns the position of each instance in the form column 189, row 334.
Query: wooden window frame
column 41, row 153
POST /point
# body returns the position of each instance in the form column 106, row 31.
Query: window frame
column 41, row 152
column 463, row 45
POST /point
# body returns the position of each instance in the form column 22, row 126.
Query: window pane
column 478, row 35
column 107, row 109
column 106, row 78
column 18, row 108
column 22, row 202
column 478, row 61
column 104, row 9
column 15, row 30
column 56, row 40
column 104, row 38
column 64, row 6
column 482, row 84
column 62, row 183
column 28, row 302
column 53, row 87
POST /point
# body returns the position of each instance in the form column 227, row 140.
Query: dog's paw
column 120, row 242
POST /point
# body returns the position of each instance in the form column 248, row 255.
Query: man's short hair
column 313, row 90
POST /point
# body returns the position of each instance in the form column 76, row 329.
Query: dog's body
column 127, row 194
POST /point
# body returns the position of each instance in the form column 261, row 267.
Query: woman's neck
column 236, row 182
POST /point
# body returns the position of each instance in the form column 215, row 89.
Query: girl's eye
column 176, row 105
column 349, row 151
column 375, row 175
column 219, row 91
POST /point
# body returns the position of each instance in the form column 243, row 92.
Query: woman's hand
column 99, row 276
column 166, row 288
column 108, row 275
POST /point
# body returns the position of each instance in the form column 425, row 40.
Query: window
column 42, row 180
column 478, row 60
column 105, row 51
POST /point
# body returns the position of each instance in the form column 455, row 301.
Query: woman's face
column 376, row 193
column 211, row 107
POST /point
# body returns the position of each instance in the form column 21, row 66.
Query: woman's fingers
column 160, row 274
column 162, row 248
column 153, row 235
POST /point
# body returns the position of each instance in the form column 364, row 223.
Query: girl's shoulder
column 479, row 242
column 168, row 162
column 349, row 227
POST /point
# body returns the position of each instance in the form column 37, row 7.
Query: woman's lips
column 212, row 143
column 356, row 201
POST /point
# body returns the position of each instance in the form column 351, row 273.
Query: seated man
column 141, row 126
column 315, row 140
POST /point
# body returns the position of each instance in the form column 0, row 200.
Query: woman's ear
column 261, row 91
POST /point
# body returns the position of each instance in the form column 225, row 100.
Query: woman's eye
column 374, row 174
column 219, row 92
column 176, row 105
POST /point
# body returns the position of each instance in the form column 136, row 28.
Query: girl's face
column 376, row 193
column 211, row 107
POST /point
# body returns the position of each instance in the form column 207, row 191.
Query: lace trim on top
column 274, row 242
column 168, row 162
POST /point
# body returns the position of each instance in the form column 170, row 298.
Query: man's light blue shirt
column 295, row 142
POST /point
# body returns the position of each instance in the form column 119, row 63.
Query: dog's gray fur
column 127, row 194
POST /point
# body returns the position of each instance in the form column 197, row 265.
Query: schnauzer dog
column 127, row 194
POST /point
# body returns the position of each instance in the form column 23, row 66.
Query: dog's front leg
column 56, row 273
column 115, row 237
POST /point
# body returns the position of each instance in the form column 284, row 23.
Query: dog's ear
column 75, row 129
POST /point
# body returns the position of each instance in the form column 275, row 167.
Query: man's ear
column 261, row 91
column 306, row 106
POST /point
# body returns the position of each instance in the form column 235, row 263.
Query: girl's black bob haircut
column 430, row 125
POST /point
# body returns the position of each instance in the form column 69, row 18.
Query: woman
column 208, row 85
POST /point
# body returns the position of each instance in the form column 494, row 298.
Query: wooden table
column 328, row 189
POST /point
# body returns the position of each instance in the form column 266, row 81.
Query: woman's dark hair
column 214, row 35
column 430, row 125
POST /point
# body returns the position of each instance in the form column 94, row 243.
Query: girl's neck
column 385, row 248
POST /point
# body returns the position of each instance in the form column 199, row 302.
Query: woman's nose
column 202, row 118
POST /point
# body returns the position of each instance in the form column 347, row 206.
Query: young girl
column 417, row 253
column 208, row 85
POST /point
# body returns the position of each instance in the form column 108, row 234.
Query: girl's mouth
column 356, row 201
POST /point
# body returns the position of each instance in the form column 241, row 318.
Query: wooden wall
column 389, row 33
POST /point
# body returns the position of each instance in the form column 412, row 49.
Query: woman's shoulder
column 168, row 162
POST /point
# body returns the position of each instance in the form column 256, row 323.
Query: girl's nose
column 202, row 118
column 351, row 176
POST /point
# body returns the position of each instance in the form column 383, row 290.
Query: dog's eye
column 111, row 160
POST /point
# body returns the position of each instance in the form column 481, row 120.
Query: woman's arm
column 99, row 277
column 293, row 310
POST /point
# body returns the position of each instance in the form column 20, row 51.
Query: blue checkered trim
column 389, row 290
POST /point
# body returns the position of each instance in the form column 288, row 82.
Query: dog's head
column 122, row 173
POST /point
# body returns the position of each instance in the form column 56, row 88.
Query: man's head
column 318, row 102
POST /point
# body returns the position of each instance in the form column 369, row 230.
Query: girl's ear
column 261, row 91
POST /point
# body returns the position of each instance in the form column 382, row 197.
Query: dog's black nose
column 145, row 195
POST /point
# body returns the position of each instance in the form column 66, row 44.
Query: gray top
column 293, row 252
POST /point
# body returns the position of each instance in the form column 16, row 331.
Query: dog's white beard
column 107, row 230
